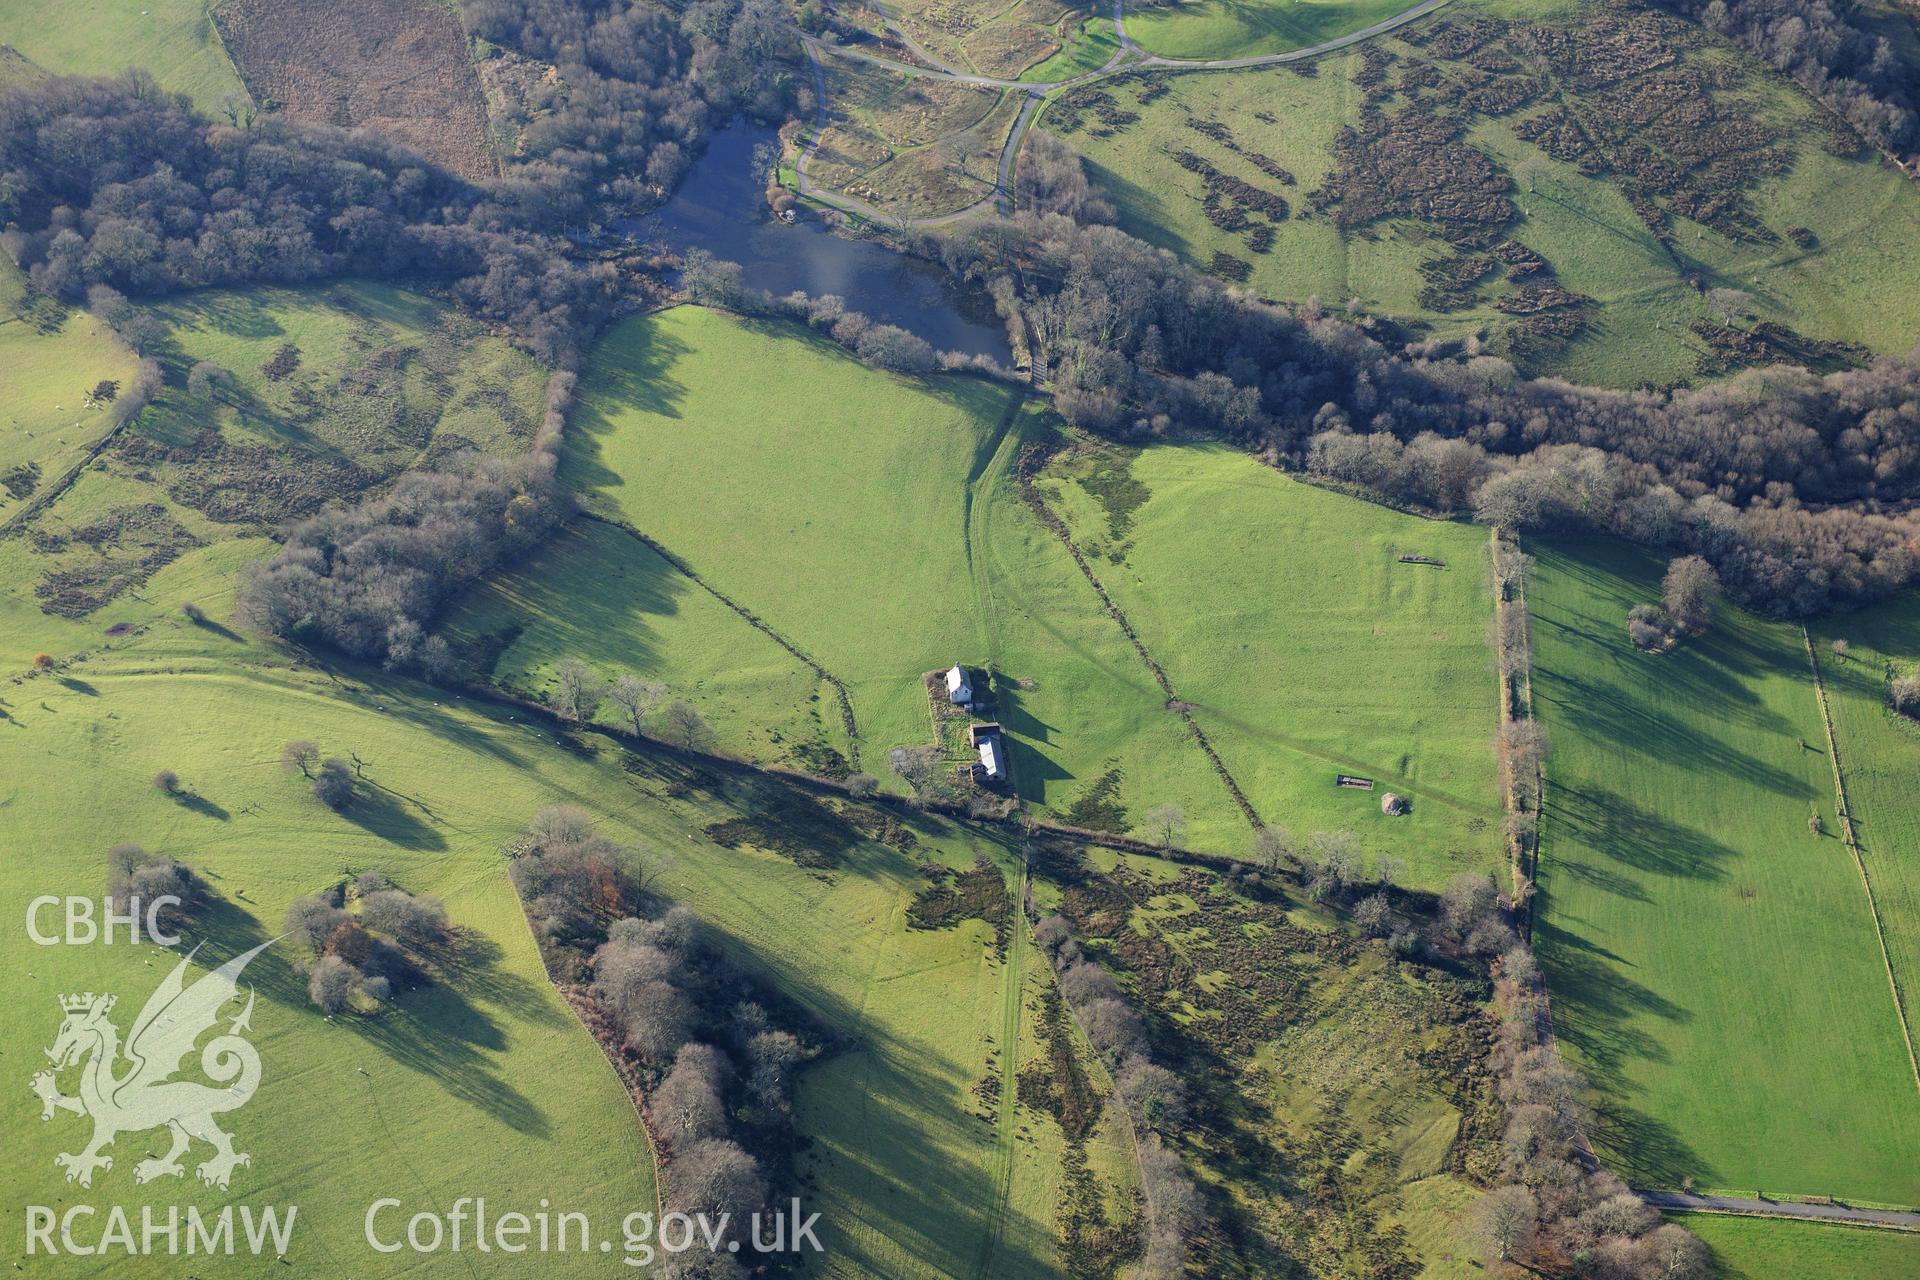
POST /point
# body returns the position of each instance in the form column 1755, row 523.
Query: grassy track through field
column 1845, row 811
column 1007, row 1114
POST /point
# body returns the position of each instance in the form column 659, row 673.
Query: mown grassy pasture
column 873, row 522
column 596, row 593
column 1772, row 1249
column 173, row 39
column 1229, row 29
column 1704, row 949
column 1826, row 259
column 1880, row 758
column 1281, row 612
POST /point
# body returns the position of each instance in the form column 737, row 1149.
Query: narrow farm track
column 1898, row 1219
column 1845, row 811
column 1006, row 1117
column 1130, row 58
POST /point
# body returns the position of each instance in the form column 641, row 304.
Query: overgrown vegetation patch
column 109, row 556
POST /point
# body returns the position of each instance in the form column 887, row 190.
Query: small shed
column 959, row 686
column 992, row 748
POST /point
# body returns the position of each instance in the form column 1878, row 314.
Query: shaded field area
column 1605, row 195
column 1764, row 1249
column 1705, row 950
column 483, row 1083
column 1283, row 615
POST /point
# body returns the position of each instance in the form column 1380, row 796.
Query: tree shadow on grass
column 1617, row 829
column 436, row 1030
column 381, row 812
column 194, row 802
column 471, row 963
column 1596, row 1004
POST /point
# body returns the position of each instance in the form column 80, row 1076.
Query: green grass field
column 1855, row 283
column 1242, row 28
column 1089, row 47
column 1880, row 757
column 1770, row 1249
column 1280, row 611
column 49, row 362
column 872, row 521
column 596, row 593
column 485, row 1084
column 174, row 39
column 1706, row 953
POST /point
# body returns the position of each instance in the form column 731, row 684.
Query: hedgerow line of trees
column 712, row 1053
column 1155, row 1098
column 1782, row 479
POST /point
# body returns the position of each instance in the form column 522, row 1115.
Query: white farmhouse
column 959, row 686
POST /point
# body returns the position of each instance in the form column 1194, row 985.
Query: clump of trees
column 118, row 183
column 1779, row 478
column 1689, row 596
column 356, row 959
column 1904, row 693
column 1154, row 1096
column 1551, row 1201
column 1651, row 628
column 1831, row 54
column 635, row 88
column 369, row 579
column 573, row 881
column 711, row 1052
column 135, row 876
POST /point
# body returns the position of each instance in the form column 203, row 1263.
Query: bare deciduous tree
column 1168, row 823
column 300, row 754
column 577, row 690
column 636, row 698
column 1691, row 592
column 1503, row 1220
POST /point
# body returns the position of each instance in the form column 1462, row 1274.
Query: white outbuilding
column 959, row 686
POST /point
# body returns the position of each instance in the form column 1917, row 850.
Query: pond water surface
column 722, row 208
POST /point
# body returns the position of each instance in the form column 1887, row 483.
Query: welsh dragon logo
column 144, row 1095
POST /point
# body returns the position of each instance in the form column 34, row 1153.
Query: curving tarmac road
column 1129, row 57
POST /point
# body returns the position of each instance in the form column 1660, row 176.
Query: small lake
column 722, row 208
